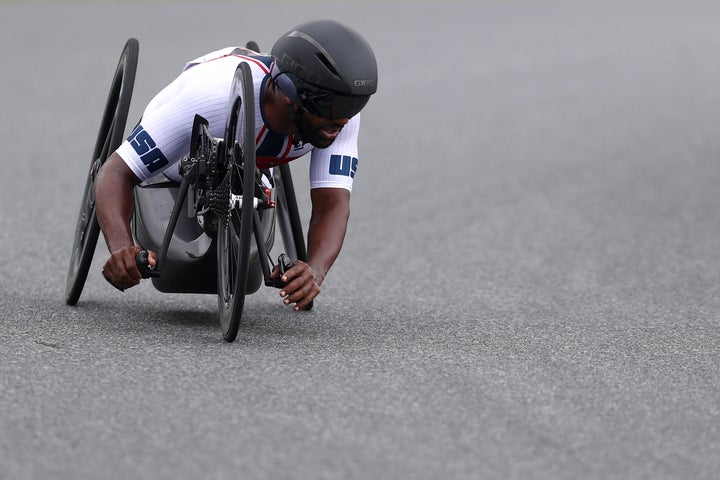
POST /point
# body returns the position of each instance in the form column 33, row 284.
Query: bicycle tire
column 109, row 138
column 235, row 234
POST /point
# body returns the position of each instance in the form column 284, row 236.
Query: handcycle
column 202, row 227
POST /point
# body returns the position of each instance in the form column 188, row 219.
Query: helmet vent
column 328, row 64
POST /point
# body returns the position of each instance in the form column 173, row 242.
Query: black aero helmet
column 325, row 68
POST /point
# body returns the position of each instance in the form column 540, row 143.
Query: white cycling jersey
column 162, row 137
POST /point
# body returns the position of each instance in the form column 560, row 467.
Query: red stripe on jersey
column 255, row 61
column 287, row 149
column 258, row 139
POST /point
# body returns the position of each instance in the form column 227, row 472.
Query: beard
column 313, row 137
column 306, row 134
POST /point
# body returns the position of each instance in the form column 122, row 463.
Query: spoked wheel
column 235, row 230
column 109, row 137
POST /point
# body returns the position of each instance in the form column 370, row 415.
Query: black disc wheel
column 236, row 229
column 110, row 135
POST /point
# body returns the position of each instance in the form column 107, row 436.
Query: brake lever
column 285, row 264
column 143, row 264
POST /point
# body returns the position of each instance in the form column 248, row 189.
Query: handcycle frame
column 209, row 249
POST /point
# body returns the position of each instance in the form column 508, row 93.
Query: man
column 309, row 93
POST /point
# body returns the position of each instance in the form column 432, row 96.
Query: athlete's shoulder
column 260, row 60
column 214, row 55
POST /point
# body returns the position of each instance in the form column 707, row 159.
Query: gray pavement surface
column 528, row 290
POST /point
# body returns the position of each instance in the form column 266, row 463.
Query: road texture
column 528, row 290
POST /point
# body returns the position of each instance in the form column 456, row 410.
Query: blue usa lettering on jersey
column 146, row 148
column 343, row 165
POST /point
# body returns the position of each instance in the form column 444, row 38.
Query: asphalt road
column 528, row 290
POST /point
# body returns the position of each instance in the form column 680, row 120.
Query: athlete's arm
column 114, row 206
column 326, row 234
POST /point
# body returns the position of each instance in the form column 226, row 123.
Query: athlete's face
column 320, row 132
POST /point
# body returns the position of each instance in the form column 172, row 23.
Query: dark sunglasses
column 317, row 101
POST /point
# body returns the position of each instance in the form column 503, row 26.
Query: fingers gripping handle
column 143, row 264
column 285, row 264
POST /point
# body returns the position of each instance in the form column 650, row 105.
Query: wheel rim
column 235, row 234
column 109, row 137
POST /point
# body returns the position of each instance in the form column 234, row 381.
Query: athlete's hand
column 300, row 285
column 121, row 269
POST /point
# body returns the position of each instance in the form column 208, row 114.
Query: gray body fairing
column 191, row 262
